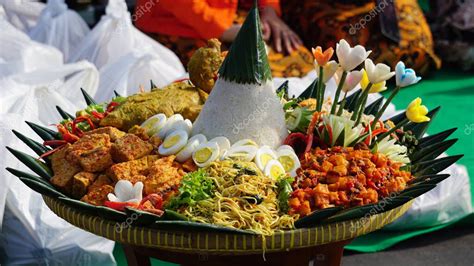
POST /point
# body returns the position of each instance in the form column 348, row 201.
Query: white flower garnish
column 125, row 191
column 394, row 152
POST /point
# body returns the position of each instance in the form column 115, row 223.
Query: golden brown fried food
column 98, row 196
column 63, row 169
column 92, row 152
column 99, row 182
column 130, row 147
column 139, row 132
column 155, row 141
column 128, row 170
column 180, row 97
column 80, row 182
column 164, row 175
column 204, row 64
column 113, row 132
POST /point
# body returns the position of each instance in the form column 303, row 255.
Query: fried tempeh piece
column 113, row 132
column 99, row 182
column 92, row 152
column 80, row 183
column 128, row 170
column 164, row 175
column 98, row 196
column 130, row 147
column 63, row 169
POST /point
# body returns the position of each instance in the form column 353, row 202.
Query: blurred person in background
column 184, row 26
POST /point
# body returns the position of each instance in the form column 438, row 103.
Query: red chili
column 120, row 206
column 310, row 132
column 374, row 133
column 180, row 80
column 54, row 143
column 97, row 115
column 48, row 153
column 372, row 185
column 111, row 106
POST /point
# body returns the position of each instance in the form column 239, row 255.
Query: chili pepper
column 97, row 115
column 329, row 129
column 298, row 141
column 51, row 152
column 374, row 133
column 54, row 143
column 372, row 185
column 111, row 106
column 120, row 206
column 310, row 132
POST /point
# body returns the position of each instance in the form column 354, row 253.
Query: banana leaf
column 429, row 179
column 419, row 129
column 41, row 188
column 89, row 100
column 174, row 216
column 64, row 114
column 417, row 190
column 436, row 138
column 374, row 107
column 141, row 218
column 397, row 118
column 22, row 174
column 197, row 227
column 152, row 85
column 43, row 132
column 34, row 164
column 310, row 91
column 37, row 147
column 79, row 205
column 116, row 94
column 111, row 214
column 432, row 151
column 434, row 166
column 317, row 217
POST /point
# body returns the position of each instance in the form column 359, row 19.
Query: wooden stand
column 329, row 254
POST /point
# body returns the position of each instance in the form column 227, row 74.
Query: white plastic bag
column 59, row 27
column 19, row 54
column 132, row 70
column 22, row 14
column 115, row 36
column 30, row 233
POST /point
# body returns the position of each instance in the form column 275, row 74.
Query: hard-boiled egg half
column 289, row 160
column 243, row 153
column 223, row 143
column 154, row 124
column 245, row 142
column 185, row 125
column 190, row 147
column 263, row 156
column 274, row 169
column 169, row 126
column 173, row 143
column 206, row 153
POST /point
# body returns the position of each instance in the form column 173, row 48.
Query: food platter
column 246, row 169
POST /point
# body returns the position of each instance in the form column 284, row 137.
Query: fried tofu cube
column 63, row 169
column 163, row 176
column 127, row 170
column 92, row 152
column 113, row 132
column 81, row 182
column 98, row 196
column 99, row 182
column 130, row 147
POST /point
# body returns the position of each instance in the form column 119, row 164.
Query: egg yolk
column 265, row 158
column 276, row 171
column 171, row 141
column 203, row 155
column 149, row 124
column 287, row 162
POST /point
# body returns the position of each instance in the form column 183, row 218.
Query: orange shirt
column 203, row 19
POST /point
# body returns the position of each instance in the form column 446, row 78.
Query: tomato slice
column 120, row 206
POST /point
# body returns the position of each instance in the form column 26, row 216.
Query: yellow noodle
column 230, row 205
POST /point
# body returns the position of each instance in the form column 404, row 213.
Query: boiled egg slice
column 245, row 142
column 154, row 124
column 169, row 126
column 173, row 143
column 205, row 154
column 263, row 156
column 188, row 150
column 285, row 147
column 289, row 161
column 185, row 125
column 223, row 142
column 274, row 169
column 243, row 153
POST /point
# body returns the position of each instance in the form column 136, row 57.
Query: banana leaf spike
column 310, row 91
column 89, row 100
column 374, row 107
column 429, row 179
column 352, row 100
column 22, row 174
column 37, row 147
column 35, row 165
column 420, row 129
column 283, row 88
column 64, row 114
column 432, row 151
column 43, row 132
column 152, row 85
column 432, row 139
column 397, row 118
column 434, row 166
column 117, row 94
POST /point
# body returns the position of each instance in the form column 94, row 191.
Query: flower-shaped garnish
column 329, row 70
column 321, row 57
column 350, row 58
column 416, row 112
column 376, row 87
column 405, row 76
column 353, row 78
column 377, row 73
column 125, row 191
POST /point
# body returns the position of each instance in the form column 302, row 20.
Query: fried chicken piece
column 204, row 64
column 80, row 182
column 128, row 170
column 98, row 196
column 99, row 182
column 130, row 147
column 63, row 170
column 164, row 175
column 113, row 132
column 92, row 152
